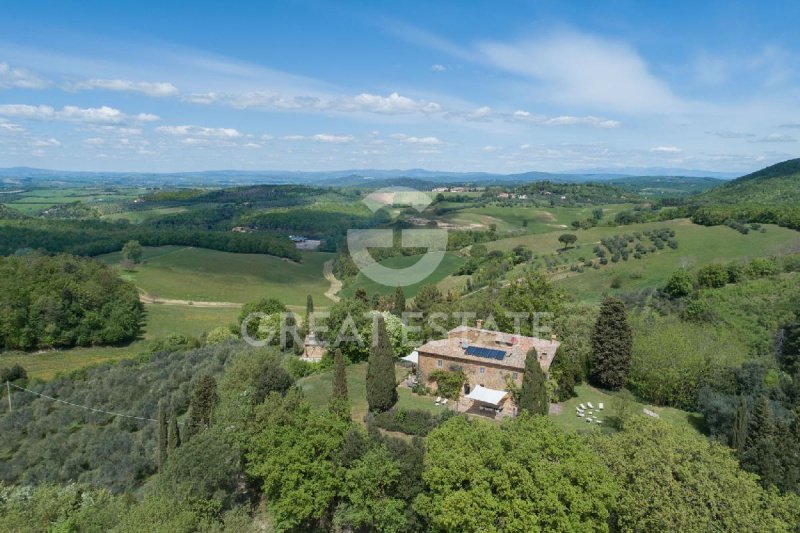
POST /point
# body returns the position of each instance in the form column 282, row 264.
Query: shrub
column 761, row 267
column 299, row 369
column 12, row 373
column 411, row 422
column 448, row 383
column 712, row 276
column 679, row 284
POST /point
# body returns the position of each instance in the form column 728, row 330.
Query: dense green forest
column 64, row 301
column 86, row 237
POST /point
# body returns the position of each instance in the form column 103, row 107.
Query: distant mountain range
column 337, row 177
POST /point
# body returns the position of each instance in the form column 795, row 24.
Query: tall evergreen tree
column 399, row 304
column 162, row 434
column 381, row 384
column 760, row 455
column 361, row 295
column 340, row 402
column 533, row 396
column 174, row 432
column 309, row 312
column 204, row 398
column 612, row 343
column 760, row 426
column 740, row 426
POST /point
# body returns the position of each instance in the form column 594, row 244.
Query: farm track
column 150, row 299
column 336, row 285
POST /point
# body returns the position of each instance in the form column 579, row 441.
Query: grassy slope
column 38, row 199
column 539, row 219
column 697, row 245
column 198, row 274
column 777, row 184
column 317, row 389
column 161, row 320
column 449, row 264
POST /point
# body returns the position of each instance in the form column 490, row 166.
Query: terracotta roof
column 515, row 346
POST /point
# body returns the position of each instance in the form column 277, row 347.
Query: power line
column 9, row 384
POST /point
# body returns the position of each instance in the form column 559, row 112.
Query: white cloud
column 328, row 138
column 564, row 120
column 666, row 149
column 17, row 78
column 490, row 148
column 90, row 115
column 432, row 141
column 10, row 127
column 392, row 104
column 775, row 138
column 198, row 131
column 157, row 89
column 438, row 68
column 582, row 69
column 321, row 137
column 732, row 134
column 40, row 143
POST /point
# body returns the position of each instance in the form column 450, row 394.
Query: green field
column 160, row 321
column 35, row 200
column 317, row 389
column 449, row 264
column 538, row 219
column 197, row 274
column 697, row 246
column 141, row 215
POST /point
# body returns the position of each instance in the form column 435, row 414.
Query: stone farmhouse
column 487, row 358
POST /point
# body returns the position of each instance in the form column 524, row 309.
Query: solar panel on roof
column 489, row 353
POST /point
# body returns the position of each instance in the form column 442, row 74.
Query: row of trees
column 95, row 237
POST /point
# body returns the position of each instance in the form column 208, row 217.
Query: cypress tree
column 612, row 343
column 162, row 434
column 399, row 305
column 533, row 396
column 381, row 385
column 174, row 433
column 339, row 403
column 760, row 455
column 204, row 397
column 740, row 426
column 361, row 295
column 760, row 426
column 309, row 312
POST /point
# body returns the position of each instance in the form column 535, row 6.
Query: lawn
column 198, row 274
column 449, row 264
column 697, row 246
column 161, row 320
column 317, row 390
column 568, row 420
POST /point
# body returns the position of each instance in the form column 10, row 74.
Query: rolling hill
column 778, row 184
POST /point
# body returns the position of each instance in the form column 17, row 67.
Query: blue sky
column 492, row 86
